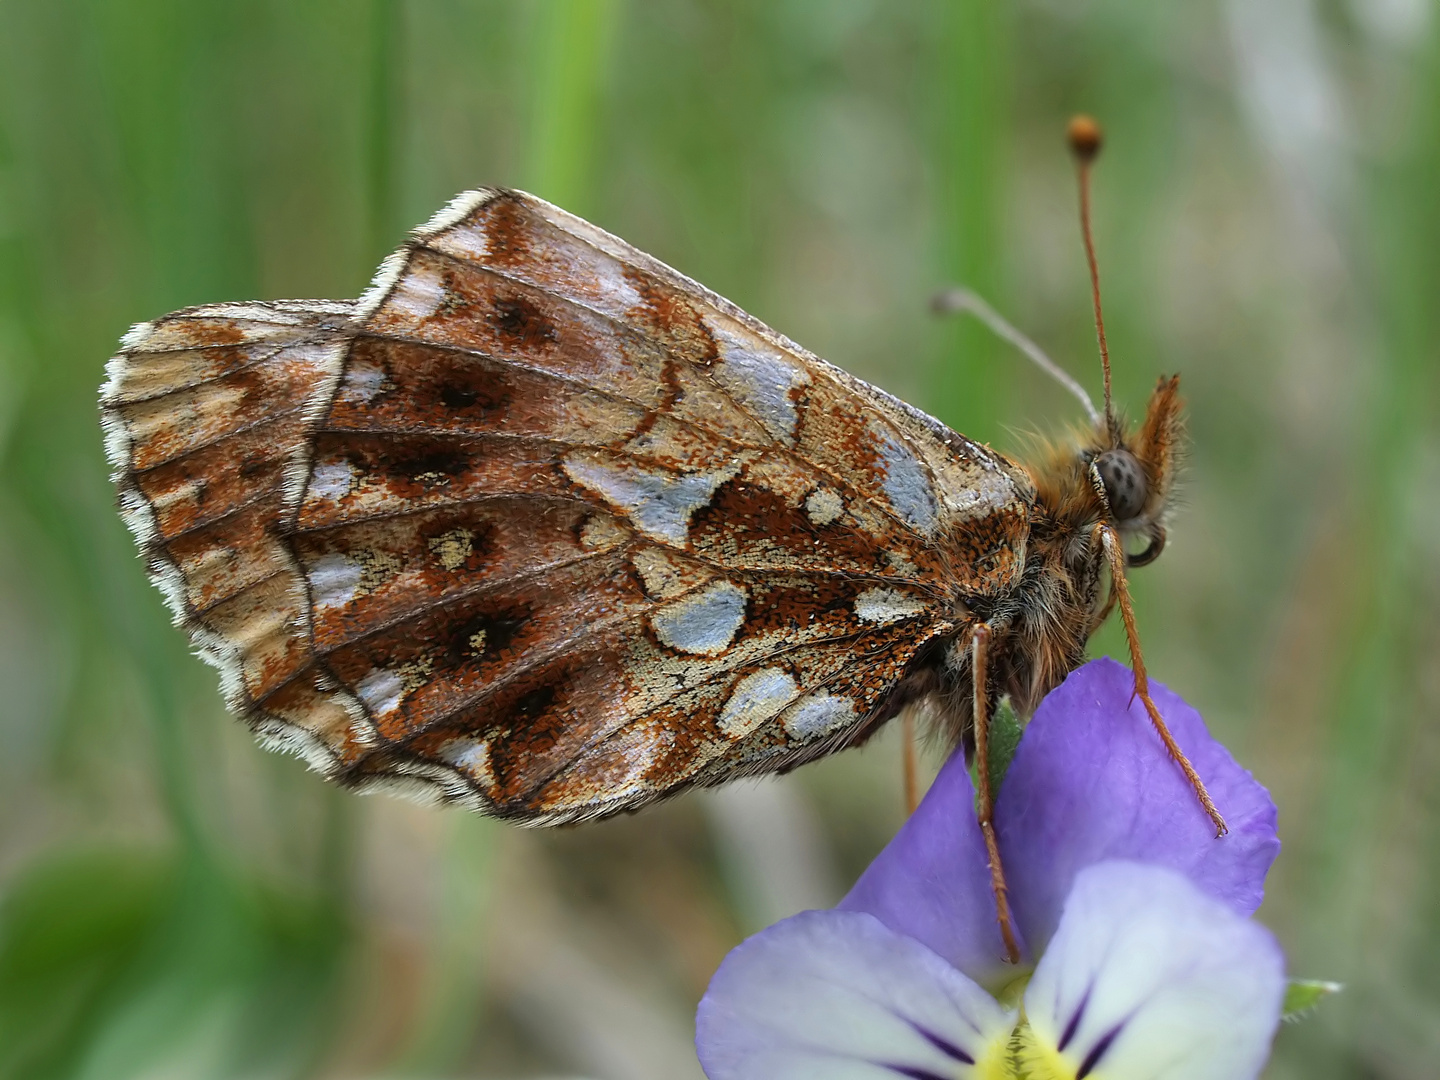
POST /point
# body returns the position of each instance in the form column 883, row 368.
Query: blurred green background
column 175, row 903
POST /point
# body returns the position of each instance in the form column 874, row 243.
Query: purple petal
column 1147, row 978
column 932, row 881
column 836, row 994
column 1092, row 781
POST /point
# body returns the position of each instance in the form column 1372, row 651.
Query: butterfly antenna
column 959, row 298
column 1085, row 140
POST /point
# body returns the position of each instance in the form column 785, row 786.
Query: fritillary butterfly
column 540, row 526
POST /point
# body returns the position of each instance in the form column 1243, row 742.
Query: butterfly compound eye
column 1124, row 482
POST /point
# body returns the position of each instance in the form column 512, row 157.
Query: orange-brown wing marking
column 203, row 412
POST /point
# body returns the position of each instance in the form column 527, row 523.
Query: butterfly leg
column 908, row 765
column 1104, row 614
column 979, row 657
column 1120, row 590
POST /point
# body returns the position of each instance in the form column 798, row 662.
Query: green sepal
column 1005, row 732
column 1302, row 995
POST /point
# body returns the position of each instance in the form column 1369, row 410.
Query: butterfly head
column 1117, row 472
column 1131, row 472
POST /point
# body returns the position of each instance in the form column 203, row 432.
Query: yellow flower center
column 1024, row 1056
column 1037, row 1060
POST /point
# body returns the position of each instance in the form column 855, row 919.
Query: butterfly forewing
column 544, row 524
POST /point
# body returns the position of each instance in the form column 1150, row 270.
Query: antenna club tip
column 1084, row 136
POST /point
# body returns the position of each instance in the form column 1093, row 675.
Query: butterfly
column 540, row 526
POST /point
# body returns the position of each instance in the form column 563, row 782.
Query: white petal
column 836, row 995
column 1147, row 978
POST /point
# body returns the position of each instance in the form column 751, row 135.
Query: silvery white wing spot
column 543, row 527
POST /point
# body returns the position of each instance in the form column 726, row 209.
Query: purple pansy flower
column 1140, row 958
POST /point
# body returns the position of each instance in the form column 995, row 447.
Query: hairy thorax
column 1041, row 615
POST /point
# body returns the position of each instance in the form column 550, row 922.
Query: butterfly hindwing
column 204, row 412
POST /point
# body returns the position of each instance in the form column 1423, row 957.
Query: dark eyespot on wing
column 521, row 322
column 492, row 633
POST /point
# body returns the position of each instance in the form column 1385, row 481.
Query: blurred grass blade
column 969, row 91
column 385, row 108
column 570, row 51
column 119, row 964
